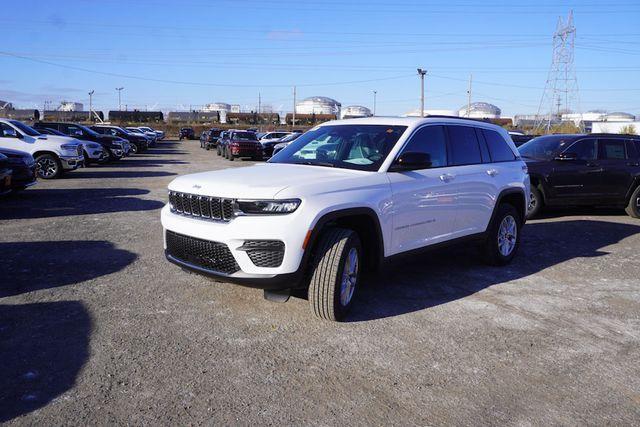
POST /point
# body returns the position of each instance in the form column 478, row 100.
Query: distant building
column 320, row 105
column 5, row 105
column 355, row 111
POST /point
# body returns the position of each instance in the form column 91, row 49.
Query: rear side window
column 463, row 146
column 611, row 149
column 498, row 147
column 432, row 141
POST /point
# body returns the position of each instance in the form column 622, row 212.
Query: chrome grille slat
column 205, row 207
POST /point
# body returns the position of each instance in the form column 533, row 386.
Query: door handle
column 592, row 165
column 446, row 177
column 492, row 172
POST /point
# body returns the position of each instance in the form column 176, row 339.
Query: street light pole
column 375, row 92
column 119, row 89
column 421, row 73
column 91, row 104
column 293, row 123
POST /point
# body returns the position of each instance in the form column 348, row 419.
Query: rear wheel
column 535, row 203
column 633, row 208
column 134, row 149
column 48, row 166
column 503, row 236
column 336, row 273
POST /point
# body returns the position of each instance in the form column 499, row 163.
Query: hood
column 62, row 139
column 15, row 154
column 262, row 181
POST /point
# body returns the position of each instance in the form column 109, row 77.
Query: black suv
column 595, row 169
column 23, row 167
column 110, row 143
column 186, row 133
column 139, row 143
column 209, row 138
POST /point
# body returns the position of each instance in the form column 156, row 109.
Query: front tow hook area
column 277, row 296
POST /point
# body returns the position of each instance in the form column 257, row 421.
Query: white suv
column 53, row 154
column 345, row 197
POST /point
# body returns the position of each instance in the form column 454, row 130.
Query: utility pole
column 421, row 73
column 293, row 123
column 119, row 89
column 375, row 92
column 469, row 95
column 91, row 104
column 259, row 102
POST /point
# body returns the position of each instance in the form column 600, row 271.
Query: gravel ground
column 97, row 328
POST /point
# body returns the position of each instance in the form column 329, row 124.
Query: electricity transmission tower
column 561, row 90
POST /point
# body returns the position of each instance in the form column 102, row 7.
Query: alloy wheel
column 507, row 235
column 349, row 277
column 47, row 167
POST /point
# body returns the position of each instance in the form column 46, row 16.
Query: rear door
column 476, row 190
column 577, row 180
column 617, row 159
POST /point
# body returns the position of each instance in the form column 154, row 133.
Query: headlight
column 266, row 207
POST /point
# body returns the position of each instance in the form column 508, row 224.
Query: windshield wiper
column 327, row 164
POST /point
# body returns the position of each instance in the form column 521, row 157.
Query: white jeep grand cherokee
column 345, row 197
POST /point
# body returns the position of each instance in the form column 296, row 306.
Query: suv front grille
column 204, row 207
column 264, row 253
column 212, row 256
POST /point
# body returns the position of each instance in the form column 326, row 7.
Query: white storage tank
column 221, row 107
column 620, row 117
column 355, row 111
column 480, row 110
column 318, row 105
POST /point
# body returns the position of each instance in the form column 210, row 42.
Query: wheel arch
column 515, row 197
column 41, row 152
column 635, row 184
column 362, row 220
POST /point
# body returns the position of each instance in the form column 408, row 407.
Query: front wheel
column 48, row 166
column 633, row 208
column 535, row 203
column 134, row 149
column 503, row 236
column 336, row 273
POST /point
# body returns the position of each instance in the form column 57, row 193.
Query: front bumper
column 95, row 153
column 246, row 152
column 234, row 234
column 24, row 177
column 71, row 163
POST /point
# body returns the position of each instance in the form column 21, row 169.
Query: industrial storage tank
column 220, row 107
column 355, row 111
column 480, row 110
column 319, row 105
column 620, row 117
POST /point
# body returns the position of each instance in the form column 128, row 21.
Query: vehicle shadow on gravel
column 88, row 174
column 49, row 203
column 439, row 277
column 143, row 163
column 31, row 266
column 43, row 348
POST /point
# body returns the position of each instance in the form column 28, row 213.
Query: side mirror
column 411, row 160
column 563, row 157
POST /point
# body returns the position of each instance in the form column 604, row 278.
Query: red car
column 243, row 144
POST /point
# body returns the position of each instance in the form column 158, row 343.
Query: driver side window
column 430, row 140
column 584, row 150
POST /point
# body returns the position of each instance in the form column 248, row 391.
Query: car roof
column 412, row 122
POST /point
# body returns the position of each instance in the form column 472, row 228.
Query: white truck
column 53, row 154
column 345, row 197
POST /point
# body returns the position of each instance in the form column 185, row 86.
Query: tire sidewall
column 632, row 208
column 536, row 210
column 352, row 242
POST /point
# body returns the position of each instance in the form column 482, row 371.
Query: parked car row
column 233, row 144
column 49, row 149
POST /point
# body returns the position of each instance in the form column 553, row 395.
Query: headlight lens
column 267, row 207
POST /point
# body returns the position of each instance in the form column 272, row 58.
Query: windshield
column 361, row 147
column 545, row 147
column 245, row 136
column 24, row 128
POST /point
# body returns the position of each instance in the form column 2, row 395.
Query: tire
column 535, row 203
column 134, row 149
column 48, row 166
column 633, row 208
column 332, row 289
column 503, row 236
column 218, row 150
column 87, row 159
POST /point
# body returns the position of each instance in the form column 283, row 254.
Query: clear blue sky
column 231, row 50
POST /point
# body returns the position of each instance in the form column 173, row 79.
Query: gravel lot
column 97, row 328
